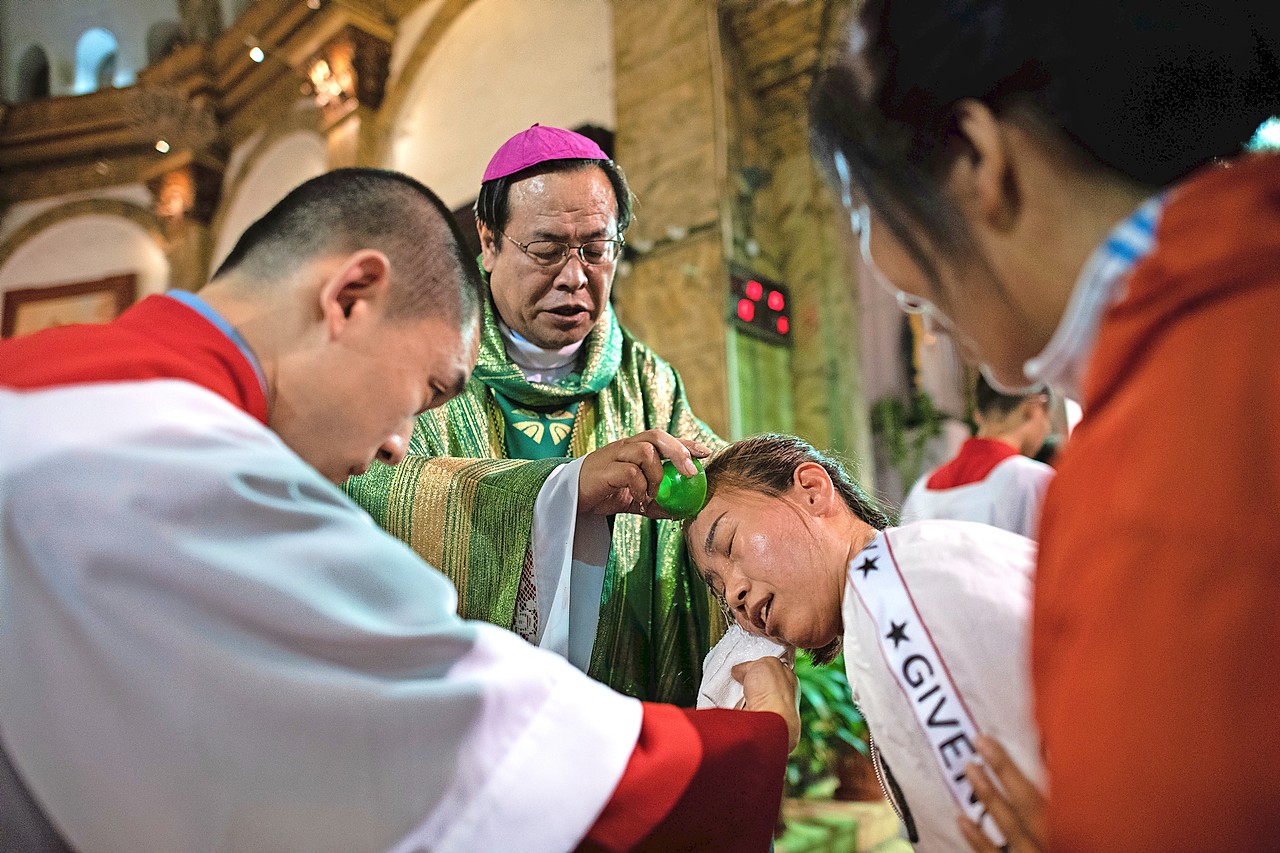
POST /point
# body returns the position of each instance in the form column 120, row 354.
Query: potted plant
column 833, row 737
column 904, row 429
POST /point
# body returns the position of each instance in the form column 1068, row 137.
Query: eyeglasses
column 931, row 317
column 860, row 221
column 552, row 253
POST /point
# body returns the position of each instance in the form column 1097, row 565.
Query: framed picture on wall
column 31, row 309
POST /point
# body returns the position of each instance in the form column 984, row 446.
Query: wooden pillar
column 348, row 77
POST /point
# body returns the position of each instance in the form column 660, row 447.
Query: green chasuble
column 463, row 499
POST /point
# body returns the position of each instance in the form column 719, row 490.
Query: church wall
column 85, row 248
column 274, row 171
column 409, row 33
column 21, row 213
column 56, row 25
column 786, row 223
column 663, row 299
column 501, row 66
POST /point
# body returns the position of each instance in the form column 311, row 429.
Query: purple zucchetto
column 539, row 144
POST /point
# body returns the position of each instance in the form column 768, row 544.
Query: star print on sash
column 885, row 602
column 868, row 566
column 897, row 633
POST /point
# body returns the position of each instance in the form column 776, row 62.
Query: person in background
column 993, row 479
column 558, row 379
column 204, row 645
column 1049, row 451
column 1063, row 187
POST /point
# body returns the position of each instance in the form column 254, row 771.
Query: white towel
column 719, row 690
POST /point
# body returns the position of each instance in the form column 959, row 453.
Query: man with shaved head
column 206, row 646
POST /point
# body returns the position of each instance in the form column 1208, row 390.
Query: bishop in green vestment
column 557, row 377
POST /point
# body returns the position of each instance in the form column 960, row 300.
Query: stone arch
column 398, row 89
column 32, row 75
column 86, row 240
column 96, row 52
column 441, row 119
column 136, row 214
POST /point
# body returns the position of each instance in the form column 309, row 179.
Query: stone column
column 185, row 188
column 671, row 291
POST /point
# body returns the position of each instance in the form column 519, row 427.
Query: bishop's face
column 780, row 570
column 557, row 305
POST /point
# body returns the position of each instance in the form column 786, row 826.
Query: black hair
column 493, row 208
column 766, row 464
column 1048, row 452
column 989, row 401
column 1148, row 89
column 345, row 210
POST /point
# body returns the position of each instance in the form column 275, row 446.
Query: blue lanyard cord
column 203, row 308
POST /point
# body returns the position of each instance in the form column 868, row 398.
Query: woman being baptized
column 932, row 617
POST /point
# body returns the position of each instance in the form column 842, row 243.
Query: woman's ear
column 981, row 177
column 812, row 486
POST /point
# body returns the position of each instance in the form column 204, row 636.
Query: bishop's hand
column 623, row 476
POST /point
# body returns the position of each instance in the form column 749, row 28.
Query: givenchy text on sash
column 920, row 672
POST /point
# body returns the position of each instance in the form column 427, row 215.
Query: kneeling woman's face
column 778, row 563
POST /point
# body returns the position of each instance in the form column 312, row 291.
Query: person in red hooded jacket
column 1062, row 186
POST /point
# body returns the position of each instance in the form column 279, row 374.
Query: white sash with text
column 920, row 672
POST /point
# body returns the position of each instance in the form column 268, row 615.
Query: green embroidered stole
column 533, row 434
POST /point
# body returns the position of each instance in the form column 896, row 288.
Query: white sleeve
column 204, row 646
column 570, row 553
column 1024, row 498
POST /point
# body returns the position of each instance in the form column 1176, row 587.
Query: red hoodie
column 1156, row 641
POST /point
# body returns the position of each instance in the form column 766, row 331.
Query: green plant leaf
column 810, row 693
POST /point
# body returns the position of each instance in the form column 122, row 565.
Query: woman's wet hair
column 766, row 465
column 1149, row 90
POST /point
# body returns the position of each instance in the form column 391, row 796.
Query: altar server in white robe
column 993, row 479
column 205, row 646
column 932, row 616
